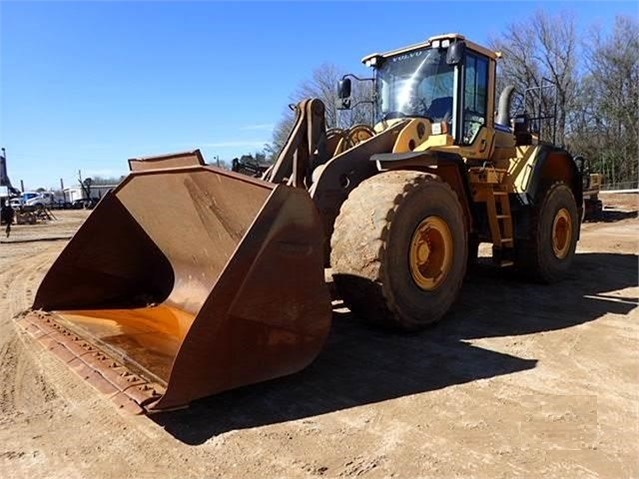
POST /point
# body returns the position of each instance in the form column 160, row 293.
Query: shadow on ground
column 612, row 216
column 35, row 240
column 362, row 365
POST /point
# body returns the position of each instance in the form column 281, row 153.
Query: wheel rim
column 561, row 233
column 359, row 133
column 431, row 253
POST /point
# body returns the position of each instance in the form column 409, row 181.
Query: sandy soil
column 521, row 380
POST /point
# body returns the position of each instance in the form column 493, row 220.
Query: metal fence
column 620, row 185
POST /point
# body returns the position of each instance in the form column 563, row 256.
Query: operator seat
column 441, row 109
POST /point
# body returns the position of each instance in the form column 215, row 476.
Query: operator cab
column 447, row 80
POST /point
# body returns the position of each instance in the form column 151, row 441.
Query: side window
column 475, row 96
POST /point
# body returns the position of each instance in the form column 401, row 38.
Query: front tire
column 399, row 249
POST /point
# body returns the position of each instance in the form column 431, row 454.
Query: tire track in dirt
column 7, row 379
column 45, row 401
column 23, row 388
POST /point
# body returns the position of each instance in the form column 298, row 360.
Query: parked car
column 37, row 199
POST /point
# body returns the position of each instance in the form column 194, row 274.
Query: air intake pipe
column 503, row 111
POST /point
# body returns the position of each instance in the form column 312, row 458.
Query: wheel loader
column 592, row 205
column 188, row 280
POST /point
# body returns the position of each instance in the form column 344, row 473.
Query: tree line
column 591, row 76
column 596, row 86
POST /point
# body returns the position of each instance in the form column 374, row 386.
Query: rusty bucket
column 184, row 282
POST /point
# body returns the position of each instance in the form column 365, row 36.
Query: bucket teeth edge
column 128, row 390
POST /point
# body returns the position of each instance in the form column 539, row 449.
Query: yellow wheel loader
column 188, row 280
column 592, row 184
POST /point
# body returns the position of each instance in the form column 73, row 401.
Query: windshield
column 416, row 84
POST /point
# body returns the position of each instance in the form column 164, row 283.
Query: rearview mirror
column 455, row 53
column 344, row 88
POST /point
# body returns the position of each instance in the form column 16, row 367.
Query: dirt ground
column 520, row 380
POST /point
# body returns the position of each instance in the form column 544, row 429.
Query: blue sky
column 89, row 85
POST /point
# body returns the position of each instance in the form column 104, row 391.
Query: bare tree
column 607, row 126
column 323, row 85
column 597, row 96
column 542, row 47
column 280, row 133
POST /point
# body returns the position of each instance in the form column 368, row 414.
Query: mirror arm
column 372, row 79
column 345, row 103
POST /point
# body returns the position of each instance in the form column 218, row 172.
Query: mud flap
column 195, row 279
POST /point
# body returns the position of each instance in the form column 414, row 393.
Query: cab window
column 475, row 96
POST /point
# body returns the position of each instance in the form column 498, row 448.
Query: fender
column 553, row 164
column 547, row 165
column 450, row 167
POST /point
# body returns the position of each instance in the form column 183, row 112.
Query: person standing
column 7, row 215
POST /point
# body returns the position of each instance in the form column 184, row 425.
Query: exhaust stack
column 505, row 100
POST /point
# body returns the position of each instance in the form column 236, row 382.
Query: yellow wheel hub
column 561, row 233
column 431, row 253
column 358, row 134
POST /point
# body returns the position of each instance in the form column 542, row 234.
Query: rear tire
column 399, row 249
column 548, row 254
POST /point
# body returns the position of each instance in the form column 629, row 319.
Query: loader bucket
column 184, row 282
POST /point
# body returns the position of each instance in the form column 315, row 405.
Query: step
column 501, row 217
column 500, row 193
column 506, row 240
column 506, row 262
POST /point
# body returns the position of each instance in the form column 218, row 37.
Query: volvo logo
column 407, row 56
